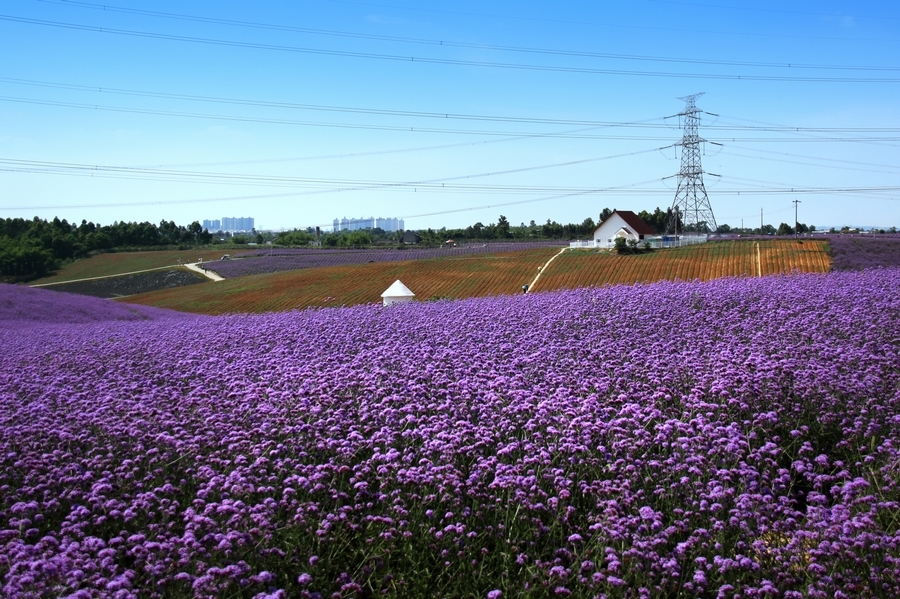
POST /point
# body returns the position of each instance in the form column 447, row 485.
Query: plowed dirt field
column 439, row 278
column 582, row 268
column 491, row 274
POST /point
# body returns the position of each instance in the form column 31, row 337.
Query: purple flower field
column 737, row 438
column 859, row 252
column 281, row 259
column 20, row 305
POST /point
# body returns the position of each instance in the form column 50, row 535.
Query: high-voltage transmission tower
column 691, row 205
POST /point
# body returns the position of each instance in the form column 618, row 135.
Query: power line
column 359, row 154
column 274, row 121
column 441, row 61
column 784, row 188
column 296, row 194
column 33, row 166
column 248, row 119
column 646, row 123
column 822, row 158
column 803, row 133
column 453, row 44
column 761, row 9
column 617, row 25
column 334, row 108
column 611, row 191
column 828, row 166
column 345, row 154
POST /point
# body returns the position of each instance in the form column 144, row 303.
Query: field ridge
column 705, row 262
column 457, row 277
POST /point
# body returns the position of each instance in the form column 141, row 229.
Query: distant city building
column 229, row 224
column 358, row 224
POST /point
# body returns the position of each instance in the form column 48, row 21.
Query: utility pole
column 760, row 222
column 691, row 200
column 796, row 222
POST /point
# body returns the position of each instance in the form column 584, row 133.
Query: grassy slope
column 488, row 274
column 452, row 277
column 118, row 263
column 704, row 262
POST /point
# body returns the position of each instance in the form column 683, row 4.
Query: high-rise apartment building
column 358, row 224
column 230, row 223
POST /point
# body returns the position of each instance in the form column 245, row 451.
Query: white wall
column 605, row 235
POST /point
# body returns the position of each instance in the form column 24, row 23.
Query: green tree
column 552, row 229
column 355, row 239
column 475, row 231
column 605, row 214
column 502, row 228
column 295, row 237
column 587, row 226
column 24, row 260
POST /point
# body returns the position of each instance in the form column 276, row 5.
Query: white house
column 397, row 293
column 621, row 224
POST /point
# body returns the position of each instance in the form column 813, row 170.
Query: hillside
column 438, row 278
column 283, row 259
column 118, row 263
column 484, row 275
column 20, row 305
column 583, row 268
column 585, row 441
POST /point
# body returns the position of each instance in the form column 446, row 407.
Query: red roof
column 633, row 221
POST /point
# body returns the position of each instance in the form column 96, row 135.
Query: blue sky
column 296, row 113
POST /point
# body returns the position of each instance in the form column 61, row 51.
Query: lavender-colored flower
column 746, row 442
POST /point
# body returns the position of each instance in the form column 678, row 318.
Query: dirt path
column 209, row 274
column 758, row 261
column 121, row 274
column 194, row 267
column 544, row 267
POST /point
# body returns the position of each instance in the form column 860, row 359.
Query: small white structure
column 397, row 293
column 621, row 223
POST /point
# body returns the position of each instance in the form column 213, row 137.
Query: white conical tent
column 396, row 293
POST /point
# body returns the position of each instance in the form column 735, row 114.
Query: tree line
column 33, row 248
column 502, row 230
column 36, row 247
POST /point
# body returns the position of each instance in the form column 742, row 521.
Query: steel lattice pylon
column 691, row 203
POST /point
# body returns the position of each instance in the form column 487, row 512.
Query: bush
column 630, row 246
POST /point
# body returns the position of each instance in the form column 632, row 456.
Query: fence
column 655, row 242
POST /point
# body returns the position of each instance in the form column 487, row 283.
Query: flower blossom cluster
column 738, row 438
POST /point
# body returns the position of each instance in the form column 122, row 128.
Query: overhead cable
column 456, row 44
column 434, row 60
